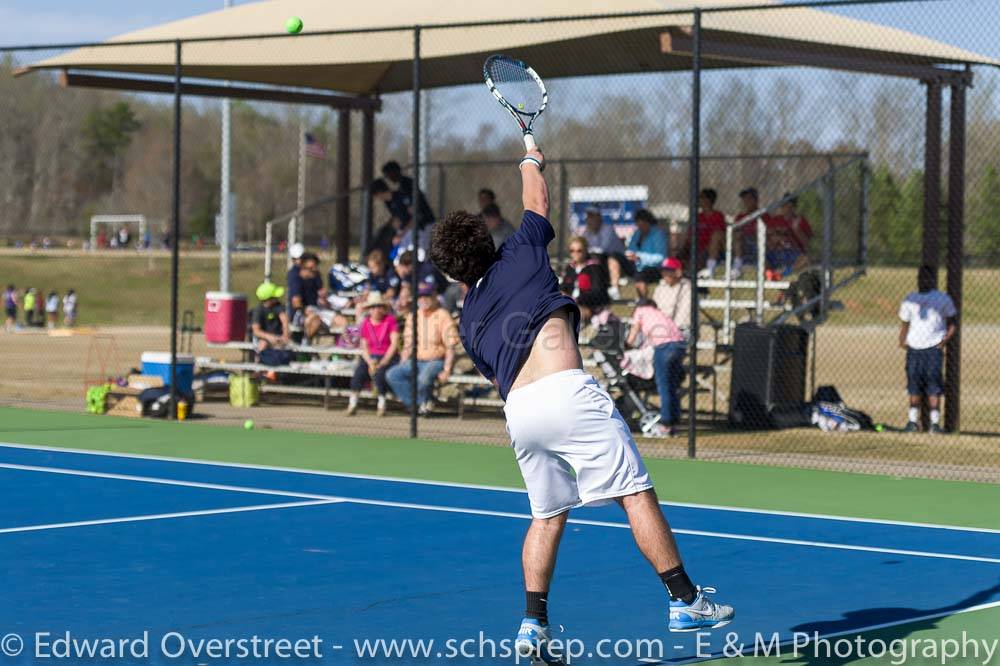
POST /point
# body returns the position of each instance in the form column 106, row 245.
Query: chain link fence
column 817, row 169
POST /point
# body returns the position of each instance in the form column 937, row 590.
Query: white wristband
column 531, row 160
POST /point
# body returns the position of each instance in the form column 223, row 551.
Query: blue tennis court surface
column 113, row 546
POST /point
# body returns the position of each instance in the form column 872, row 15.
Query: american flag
column 315, row 148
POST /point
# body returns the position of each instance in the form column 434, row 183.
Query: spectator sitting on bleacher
column 745, row 244
column 425, row 273
column 303, row 286
column 453, row 298
column 647, row 248
column 436, row 341
column 597, row 321
column 269, row 326
column 605, row 246
column 486, row 196
column 711, row 232
column 673, row 294
column 379, row 344
column 788, row 239
column 382, row 277
column 386, row 234
column 583, row 273
column 308, row 296
column 499, row 228
column 404, row 300
column 654, row 330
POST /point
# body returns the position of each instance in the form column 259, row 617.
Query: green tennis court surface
column 766, row 490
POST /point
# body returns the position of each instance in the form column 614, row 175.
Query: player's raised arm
column 534, row 191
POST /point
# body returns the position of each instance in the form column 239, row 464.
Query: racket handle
column 529, row 142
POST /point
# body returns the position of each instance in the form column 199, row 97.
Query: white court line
column 473, row 486
column 164, row 516
column 499, row 514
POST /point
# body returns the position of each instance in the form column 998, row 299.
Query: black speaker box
column 769, row 376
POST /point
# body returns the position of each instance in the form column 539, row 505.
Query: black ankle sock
column 678, row 585
column 538, row 606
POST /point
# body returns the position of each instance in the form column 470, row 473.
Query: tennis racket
column 519, row 89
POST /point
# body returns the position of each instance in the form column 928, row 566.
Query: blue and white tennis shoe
column 533, row 642
column 701, row 613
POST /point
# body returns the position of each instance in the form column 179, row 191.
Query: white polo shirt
column 927, row 313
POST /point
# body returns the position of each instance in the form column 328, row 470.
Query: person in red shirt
column 711, row 231
column 788, row 239
column 745, row 244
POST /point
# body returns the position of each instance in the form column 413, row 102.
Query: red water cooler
column 225, row 317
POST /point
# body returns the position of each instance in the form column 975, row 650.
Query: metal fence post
column 829, row 185
column 414, row 281
column 694, row 186
column 442, row 190
column 862, row 258
column 563, row 214
column 175, row 232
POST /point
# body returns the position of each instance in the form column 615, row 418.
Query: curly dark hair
column 462, row 247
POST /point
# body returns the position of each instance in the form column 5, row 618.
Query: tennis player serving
column 573, row 447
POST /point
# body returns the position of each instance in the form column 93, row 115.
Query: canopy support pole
column 367, row 176
column 343, row 184
column 417, row 186
column 956, row 250
column 932, row 176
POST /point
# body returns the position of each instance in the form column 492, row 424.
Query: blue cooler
column 158, row 363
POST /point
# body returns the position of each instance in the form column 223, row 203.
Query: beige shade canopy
column 367, row 63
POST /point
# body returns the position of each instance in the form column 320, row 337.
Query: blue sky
column 41, row 21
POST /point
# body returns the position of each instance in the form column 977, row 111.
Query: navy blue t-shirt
column 505, row 309
column 307, row 289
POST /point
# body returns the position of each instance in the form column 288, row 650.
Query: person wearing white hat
column 379, row 344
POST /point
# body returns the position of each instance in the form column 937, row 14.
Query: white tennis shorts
column 573, row 447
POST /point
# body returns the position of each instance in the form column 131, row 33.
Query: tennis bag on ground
column 830, row 414
column 156, row 401
column 244, row 391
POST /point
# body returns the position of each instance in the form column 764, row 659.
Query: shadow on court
column 868, row 617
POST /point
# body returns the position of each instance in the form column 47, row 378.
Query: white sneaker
column 380, row 409
column 352, row 407
column 701, row 613
column 659, row 430
column 705, row 274
column 735, row 273
column 426, row 409
column 532, row 643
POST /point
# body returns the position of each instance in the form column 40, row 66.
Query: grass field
column 126, row 289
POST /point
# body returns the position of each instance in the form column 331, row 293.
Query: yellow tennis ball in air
column 521, row 106
column 293, row 25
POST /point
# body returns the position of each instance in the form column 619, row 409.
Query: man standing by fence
column 929, row 322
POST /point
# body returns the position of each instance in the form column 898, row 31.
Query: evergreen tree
column 984, row 217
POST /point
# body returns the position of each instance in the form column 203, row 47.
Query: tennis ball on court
column 293, row 25
column 879, row 427
column 248, row 424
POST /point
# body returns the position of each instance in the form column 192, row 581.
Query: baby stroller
column 627, row 390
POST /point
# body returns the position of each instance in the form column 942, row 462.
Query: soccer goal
column 113, row 223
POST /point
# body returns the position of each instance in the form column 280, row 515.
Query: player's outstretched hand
column 536, row 154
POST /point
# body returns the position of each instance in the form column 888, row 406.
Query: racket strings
column 516, row 85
